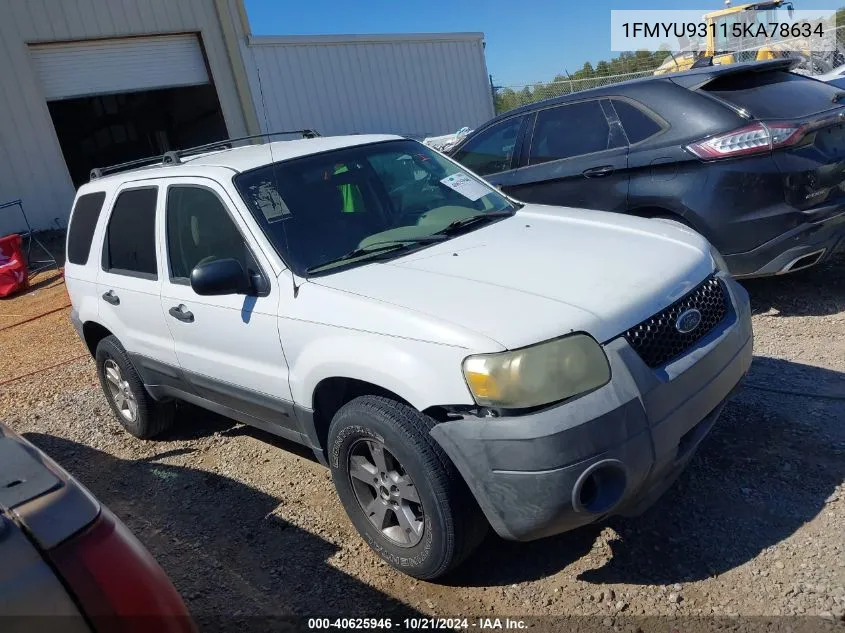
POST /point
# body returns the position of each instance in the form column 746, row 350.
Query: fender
column 424, row 374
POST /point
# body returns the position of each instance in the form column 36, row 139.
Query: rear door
column 493, row 152
column 815, row 165
column 129, row 282
column 577, row 157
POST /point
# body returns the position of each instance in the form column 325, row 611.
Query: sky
column 527, row 41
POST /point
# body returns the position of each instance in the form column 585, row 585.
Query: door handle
column 598, row 172
column 181, row 312
column 110, row 297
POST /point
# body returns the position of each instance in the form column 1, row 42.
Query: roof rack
column 174, row 157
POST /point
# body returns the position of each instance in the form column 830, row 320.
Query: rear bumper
column 613, row 451
column 806, row 245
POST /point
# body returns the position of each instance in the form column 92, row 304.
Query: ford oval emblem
column 688, row 321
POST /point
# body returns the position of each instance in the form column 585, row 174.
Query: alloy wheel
column 385, row 492
column 120, row 391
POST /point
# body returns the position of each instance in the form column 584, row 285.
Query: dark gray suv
column 750, row 155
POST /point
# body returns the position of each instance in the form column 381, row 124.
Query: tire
column 451, row 525
column 150, row 417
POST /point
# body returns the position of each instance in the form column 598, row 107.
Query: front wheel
column 399, row 488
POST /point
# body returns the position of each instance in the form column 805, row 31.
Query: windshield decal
column 269, row 202
column 466, row 186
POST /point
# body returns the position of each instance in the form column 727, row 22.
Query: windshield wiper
column 378, row 248
column 473, row 219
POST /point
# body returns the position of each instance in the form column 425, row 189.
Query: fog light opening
column 600, row 487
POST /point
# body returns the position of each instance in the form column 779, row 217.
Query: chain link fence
column 815, row 59
column 510, row 97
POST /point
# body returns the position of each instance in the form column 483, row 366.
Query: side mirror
column 220, row 277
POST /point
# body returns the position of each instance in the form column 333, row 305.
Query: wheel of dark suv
column 134, row 408
column 399, row 488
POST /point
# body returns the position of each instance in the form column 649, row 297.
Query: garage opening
column 110, row 129
column 116, row 100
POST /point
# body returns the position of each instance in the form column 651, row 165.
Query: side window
column 84, row 218
column 130, row 246
column 492, row 150
column 569, row 130
column 199, row 230
column 638, row 125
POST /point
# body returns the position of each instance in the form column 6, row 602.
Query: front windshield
column 336, row 205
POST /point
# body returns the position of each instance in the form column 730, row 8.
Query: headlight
column 718, row 260
column 537, row 375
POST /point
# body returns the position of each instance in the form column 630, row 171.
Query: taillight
column 756, row 138
column 118, row 584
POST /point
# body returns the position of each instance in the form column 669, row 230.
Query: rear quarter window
column 83, row 221
column 774, row 95
column 637, row 124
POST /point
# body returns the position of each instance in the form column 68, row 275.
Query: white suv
column 458, row 359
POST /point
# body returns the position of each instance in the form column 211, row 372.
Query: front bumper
column 612, row 451
column 792, row 250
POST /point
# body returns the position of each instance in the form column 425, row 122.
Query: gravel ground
column 247, row 524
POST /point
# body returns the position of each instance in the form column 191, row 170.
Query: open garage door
column 117, row 100
column 94, row 67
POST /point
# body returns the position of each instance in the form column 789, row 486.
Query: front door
column 493, row 152
column 227, row 345
column 576, row 158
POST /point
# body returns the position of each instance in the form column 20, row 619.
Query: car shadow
column 237, row 564
column 817, row 291
column 193, row 423
column 764, row 471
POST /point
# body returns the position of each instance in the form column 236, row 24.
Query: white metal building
column 78, row 84
column 412, row 84
column 86, row 83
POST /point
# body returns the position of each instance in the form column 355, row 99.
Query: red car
column 64, row 554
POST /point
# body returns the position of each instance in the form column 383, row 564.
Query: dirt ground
column 248, row 525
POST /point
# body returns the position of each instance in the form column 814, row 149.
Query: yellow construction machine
column 720, row 38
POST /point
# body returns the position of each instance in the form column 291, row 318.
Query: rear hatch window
column 775, row 94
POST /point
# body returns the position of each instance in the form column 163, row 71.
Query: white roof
column 248, row 157
column 252, row 156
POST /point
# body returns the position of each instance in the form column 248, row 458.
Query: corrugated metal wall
column 416, row 85
column 411, row 84
column 31, row 162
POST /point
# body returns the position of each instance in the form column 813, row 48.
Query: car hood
column 545, row 272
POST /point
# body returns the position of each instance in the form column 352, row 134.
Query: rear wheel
column 134, row 408
column 399, row 488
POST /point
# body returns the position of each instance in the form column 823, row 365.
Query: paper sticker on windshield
column 466, row 186
column 268, row 200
